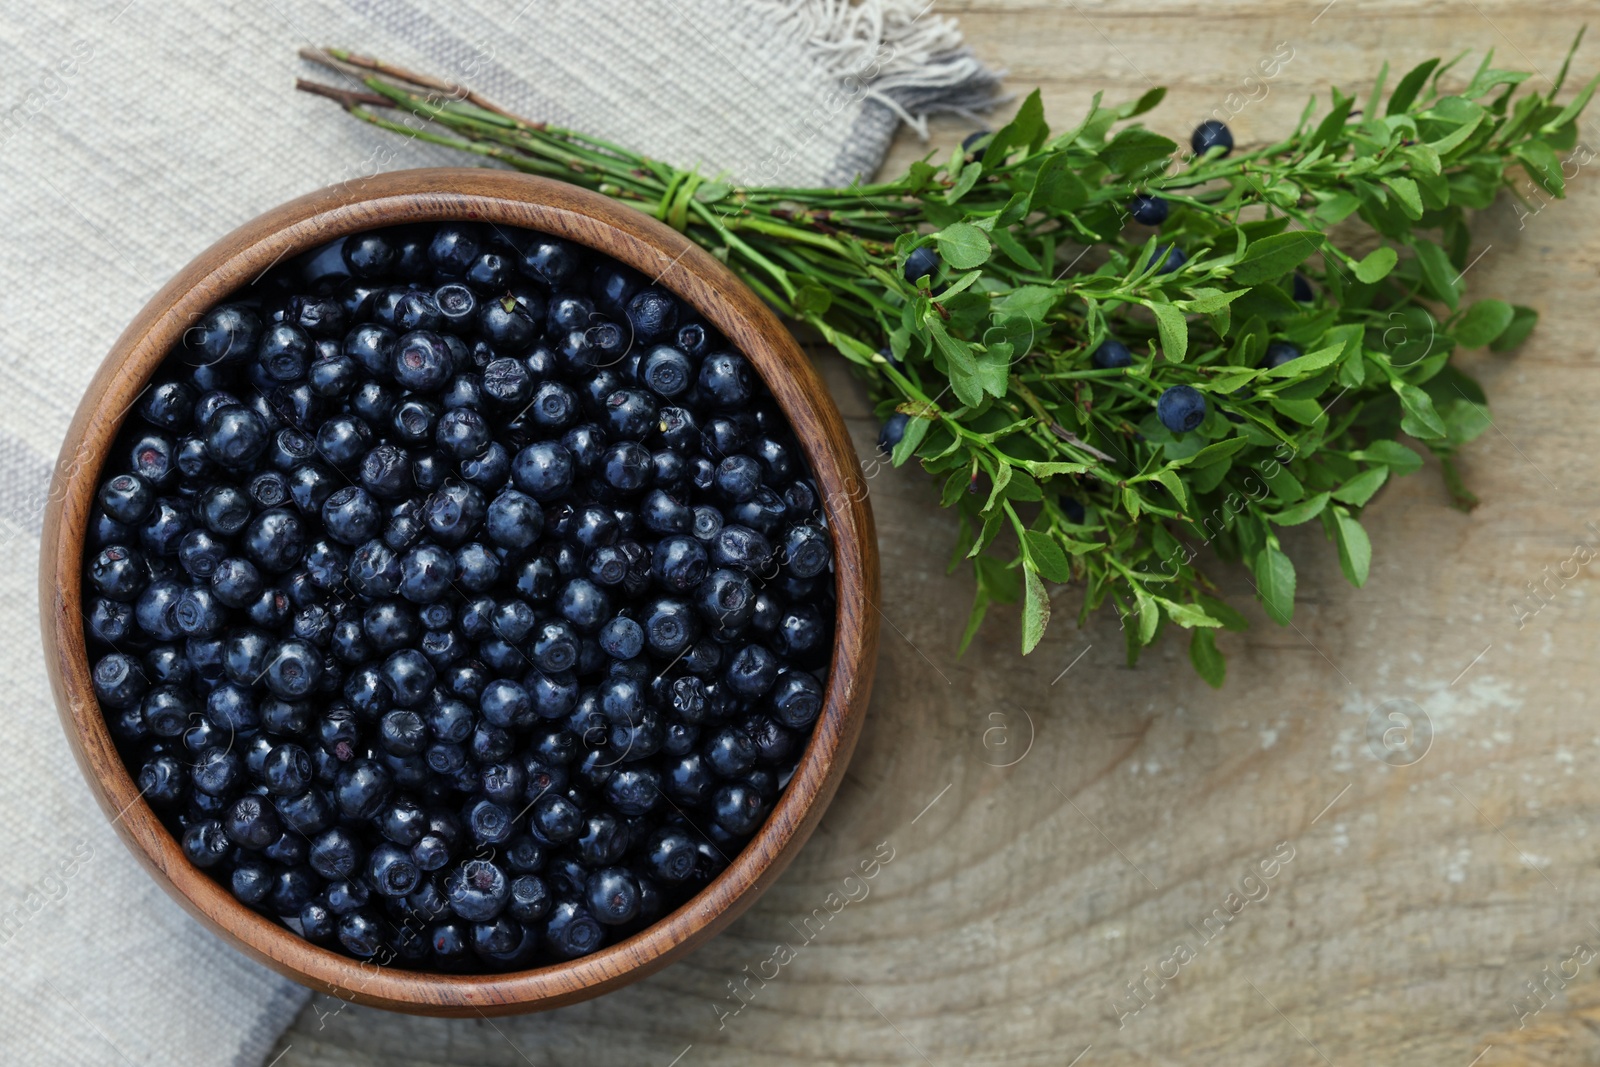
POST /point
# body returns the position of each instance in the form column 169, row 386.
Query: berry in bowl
column 462, row 592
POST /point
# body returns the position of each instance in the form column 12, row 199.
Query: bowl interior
column 585, row 218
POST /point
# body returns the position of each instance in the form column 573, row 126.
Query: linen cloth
column 134, row 133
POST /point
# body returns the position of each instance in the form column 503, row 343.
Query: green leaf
column 1285, row 486
column 1134, row 148
column 1145, row 103
column 969, row 177
column 1392, row 454
column 1566, row 63
column 1273, row 257
column 1332, row 124
column 1275, row 582
column 1132, row 501
column 916, row 430
column 1002, row 478
column 712, row 192
column 1149, row 614
column 1377, row 88
column 1425, row 157
column 980, row 608
column 1029, row 301
column 1052, row 467
column 1464, row 420
column 812, row 299
column 963, row 245
column 1015, row 211
column 1406, row 91
column 1188, row 615
column 1130, row 636
column 1355, row 549
column 1304, row 511
column 1523, row 319
column 1376, row 265
column 994, row 367
column 1047, row 556
column 1405, row 191
column 1488, row 79
column 1438, row 273
column 1210, row 476
column 991, row 526
column 1336, row 207
column 1026, row 129
column 1542, row 165
column 1013, row 249
column 1057, row 189
column 1421, row 420
column 1035, row 609
column 1174, row 330
column 1229, row 380
column 1174, row 486
column 1212, row 453
column 1022, row 486
column 960, row 285
column 1307, row 363
column 965, row 383
column 1359, row 490
column 963, row 368
column 1205, row 301
column 1222, row 612
column 1305, row 412
column 1453, row 140
column 1574, row 109
column 1484, row 321
column 1208, row 662
column 954, row 486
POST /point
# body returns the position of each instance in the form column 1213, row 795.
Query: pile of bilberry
column 459, row 598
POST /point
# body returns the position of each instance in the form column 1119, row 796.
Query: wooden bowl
column 584, row 218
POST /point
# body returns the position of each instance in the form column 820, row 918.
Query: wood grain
column 587, row 219
column 1017, row 908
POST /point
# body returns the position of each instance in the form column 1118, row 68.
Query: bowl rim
column 596, row 222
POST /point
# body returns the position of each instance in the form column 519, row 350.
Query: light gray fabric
column 133, row 135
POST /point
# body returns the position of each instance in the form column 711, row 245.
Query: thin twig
column 423, row 81
column 346, row 97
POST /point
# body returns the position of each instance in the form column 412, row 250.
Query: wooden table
column 1023, row 902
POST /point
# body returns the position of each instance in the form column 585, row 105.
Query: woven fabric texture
column 133, row 135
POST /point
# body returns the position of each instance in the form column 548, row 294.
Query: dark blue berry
column 127, row 498
column 369, row 255
column 462, row 433
column 892, row 431
column 351, row 516
column 227, row 334
column 726, row 379
column 612, row 894
column 1111, row 354
column 571, row 931
column 1212, row 133
column 922, row 263
column 274, row 540
column 454, row 512
column 1279, row 353
column 807, row 551
column 543, row 470
column 1181, row 408
column 236, row 437
column 796, row 699
column 1170, row 258
column 667, row 372
column 1147, row 209
column 737, row 808
column 652, row 313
